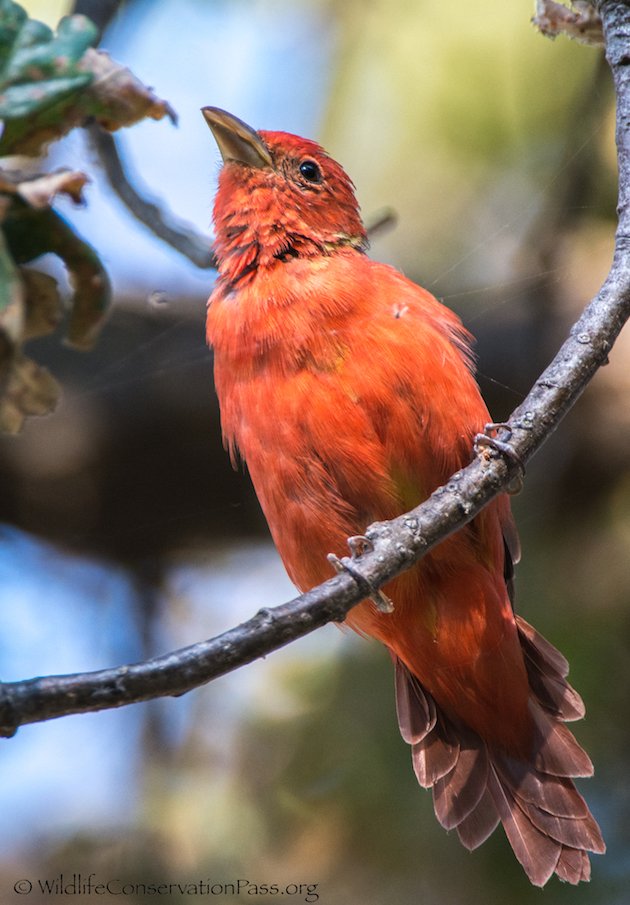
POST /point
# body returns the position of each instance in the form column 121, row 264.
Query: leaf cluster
column 50, row 83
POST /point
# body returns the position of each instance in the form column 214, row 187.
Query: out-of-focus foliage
column 49, row 84
column 52, row 82
column 40, row 77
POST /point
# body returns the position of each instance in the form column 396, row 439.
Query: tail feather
column 416, row 710
column 542, row 651
column 476, row 785
column 557, row 752
column 435, row 756
column 537, row 852
column 573, row 866
column 555, row 696
column 558, row 798
column 457, row 794
column 547, row 670
column 575, row 832
column 480, row 823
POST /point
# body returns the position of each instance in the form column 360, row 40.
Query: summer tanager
column 348, row 391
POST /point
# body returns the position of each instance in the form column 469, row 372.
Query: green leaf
column 41, row 76
column 39, row 54
column 12, row 20
column 50, row 83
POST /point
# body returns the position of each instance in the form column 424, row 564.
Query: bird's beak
column 236, row 140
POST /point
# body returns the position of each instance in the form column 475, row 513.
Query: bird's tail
column 476, row 786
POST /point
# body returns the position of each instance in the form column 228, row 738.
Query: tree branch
column 185, row 240
column 398, row 544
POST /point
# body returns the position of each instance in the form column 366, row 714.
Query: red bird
column 348, row 391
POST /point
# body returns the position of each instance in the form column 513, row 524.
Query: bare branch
column 381, row 222
column 185, row 240
column 398, row 544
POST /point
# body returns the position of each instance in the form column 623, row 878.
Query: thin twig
column 381, row 222
column 397, row 544
column 186, row 240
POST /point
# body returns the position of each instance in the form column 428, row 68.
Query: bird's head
column 279, row 197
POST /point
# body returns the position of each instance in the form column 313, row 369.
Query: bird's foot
column 358, row 545
column 486, row 441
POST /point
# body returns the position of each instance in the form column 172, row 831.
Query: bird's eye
column 310, row 171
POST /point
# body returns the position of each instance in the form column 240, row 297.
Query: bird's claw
column 486, row 441
column 359, row 544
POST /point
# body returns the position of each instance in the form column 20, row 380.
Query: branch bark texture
column 398, row 544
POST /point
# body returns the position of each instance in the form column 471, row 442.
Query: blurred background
column 125, row 533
